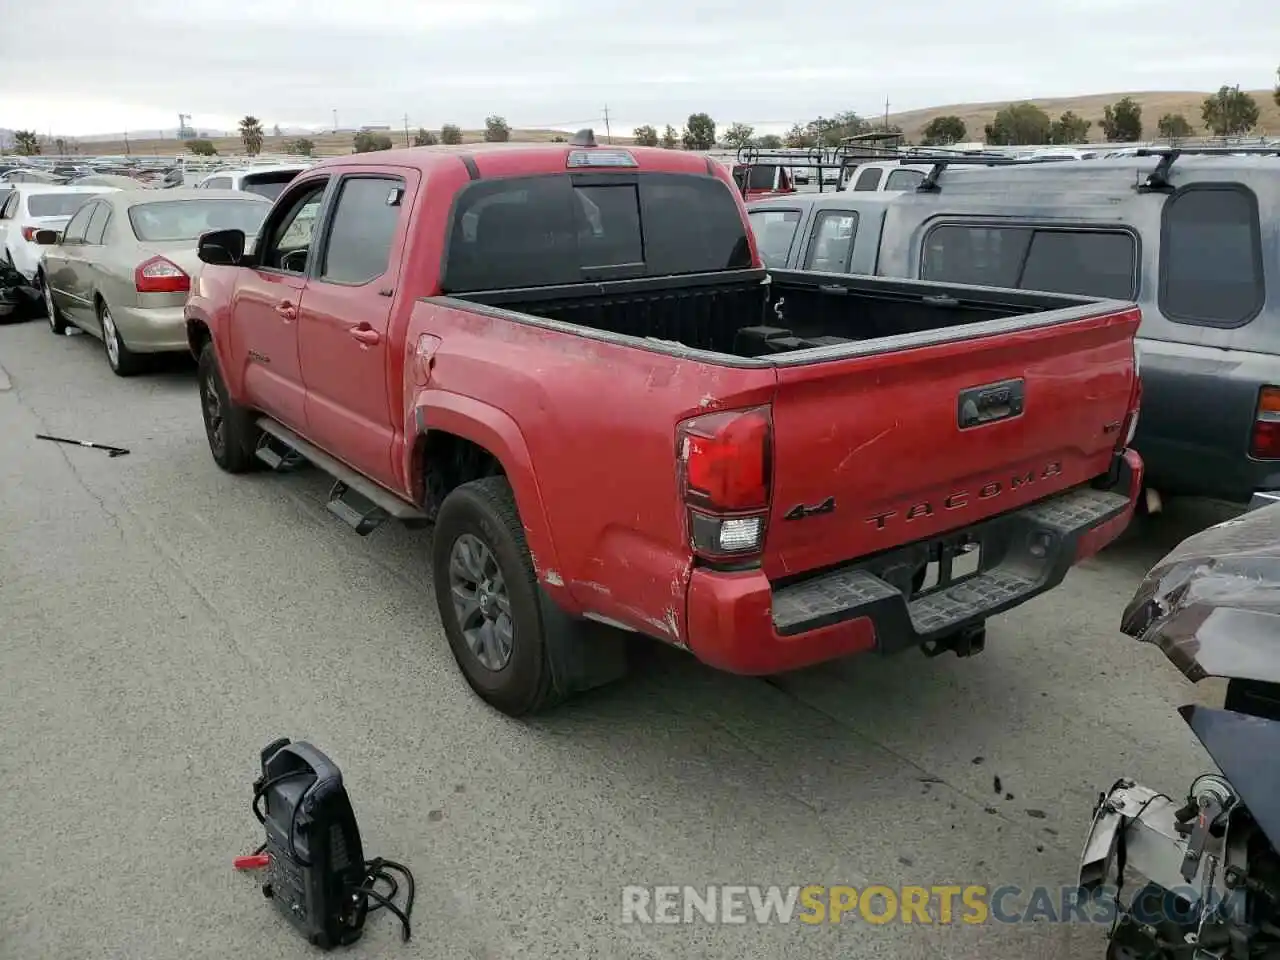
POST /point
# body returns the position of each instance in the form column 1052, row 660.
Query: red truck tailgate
column 870, row 452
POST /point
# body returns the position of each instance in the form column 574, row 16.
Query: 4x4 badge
column 800, row 511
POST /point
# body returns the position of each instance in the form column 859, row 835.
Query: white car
column 265, row 181
column 31, row 207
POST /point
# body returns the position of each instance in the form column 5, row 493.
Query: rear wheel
column 123, row 361
column 488, row 597
column 228, row 426
column 57, row 323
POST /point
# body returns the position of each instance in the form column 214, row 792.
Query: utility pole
column 608, row 137
column 406, row 130
column 126, row 144
column 335, row 121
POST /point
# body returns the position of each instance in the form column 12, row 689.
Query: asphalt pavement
column 161, row 621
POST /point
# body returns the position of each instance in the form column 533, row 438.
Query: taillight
column 726, row 464
column 160, row 275
column 1265, row 443
column 29, row 234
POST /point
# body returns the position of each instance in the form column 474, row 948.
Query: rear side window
column 832, row 242
column 868, row 179
column 774, row 231
column 1211, row 270
column 98, row 223
column 549, row 230
column 904, row 180
column 1092, row 263
column 358, row 247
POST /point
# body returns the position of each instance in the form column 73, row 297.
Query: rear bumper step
column 1023, row 554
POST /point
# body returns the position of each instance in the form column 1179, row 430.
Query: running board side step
column 355, row 500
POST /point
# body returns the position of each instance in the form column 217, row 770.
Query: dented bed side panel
column 597, row 423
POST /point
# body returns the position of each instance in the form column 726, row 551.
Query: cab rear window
column 550, row 230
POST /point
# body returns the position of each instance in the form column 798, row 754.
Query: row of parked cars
column 1186, row 234
column 115, row 262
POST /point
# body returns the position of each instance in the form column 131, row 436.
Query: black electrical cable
column 375, row 870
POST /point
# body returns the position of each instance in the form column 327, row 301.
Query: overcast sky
column 77, row 67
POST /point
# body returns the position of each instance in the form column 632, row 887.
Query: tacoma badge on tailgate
column 995, row 401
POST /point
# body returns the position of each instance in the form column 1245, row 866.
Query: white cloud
column 84, row 66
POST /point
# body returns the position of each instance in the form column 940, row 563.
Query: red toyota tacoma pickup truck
column 570, row 361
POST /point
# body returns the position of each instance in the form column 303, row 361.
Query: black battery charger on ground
column 316, row 872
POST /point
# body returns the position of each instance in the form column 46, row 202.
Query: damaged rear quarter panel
column 598, row 420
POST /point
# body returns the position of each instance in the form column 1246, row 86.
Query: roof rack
column 1158, row 179
column 930, row 183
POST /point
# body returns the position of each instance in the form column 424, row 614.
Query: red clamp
column 255, row 861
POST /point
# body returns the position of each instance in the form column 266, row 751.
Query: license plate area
column 951, row 560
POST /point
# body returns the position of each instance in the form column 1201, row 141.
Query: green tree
column 451, row 134
column 367, row 141
column 670, row 138
column 1069, row 128
column 799, row 136
column 699, row 132
column 60, row 146
column 26, row 143
column 275, row 131
column 770, row 141
column 829, row 131
column 942, row 131
column 645, row 136
column 301, row 147
column 202, row 147
column 251, row 135
column 739, row 134
column 1174, row 126
column 1122, row 121
column 496, row 130
column 1019, row 124
column 425, row 138
column 1229, row 112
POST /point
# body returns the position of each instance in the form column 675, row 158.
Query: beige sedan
column 121, row 268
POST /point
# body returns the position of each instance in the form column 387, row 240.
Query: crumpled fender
column 493, row 429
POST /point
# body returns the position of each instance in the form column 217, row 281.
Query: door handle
column 287, row 310
column 366, row 335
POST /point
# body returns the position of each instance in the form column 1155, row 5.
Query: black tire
column 229, row 427
column 57, row 322
column 486, row 511
column 123, row 361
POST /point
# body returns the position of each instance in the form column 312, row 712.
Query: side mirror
column 224, row 248
column 47, row 238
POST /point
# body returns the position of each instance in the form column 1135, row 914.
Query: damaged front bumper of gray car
column 1195, row 875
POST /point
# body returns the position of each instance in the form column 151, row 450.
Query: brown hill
column 326, row 144
column 1154, row 105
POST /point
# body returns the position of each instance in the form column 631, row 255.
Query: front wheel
column 228, row 427
column 57, row 323
column 488, row 597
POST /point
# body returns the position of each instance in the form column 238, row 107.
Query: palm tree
column 251, row 135
column 26, row 143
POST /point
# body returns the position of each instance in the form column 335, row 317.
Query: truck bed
column 751, row 313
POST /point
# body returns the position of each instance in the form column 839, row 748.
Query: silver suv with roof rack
column 1186, row 232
